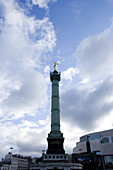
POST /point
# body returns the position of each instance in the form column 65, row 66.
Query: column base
column 55, row 143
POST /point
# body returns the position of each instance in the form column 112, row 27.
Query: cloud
column 23, row 143
column 42, row 3
column 84, row 107
column 87, row 104
column 69, row 73
column 24, row 40
column 30, row 96
column 23, row 87
column 94, row 54
column 70, row 138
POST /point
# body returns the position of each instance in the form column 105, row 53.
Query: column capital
column 55, row 75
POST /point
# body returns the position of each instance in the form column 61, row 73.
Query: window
column 105, row 140
column 94, row 136
column 111, row 139
column 83, row 138
column 108, row 162
column 90, row 137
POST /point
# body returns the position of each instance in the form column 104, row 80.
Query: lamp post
column 11, row 148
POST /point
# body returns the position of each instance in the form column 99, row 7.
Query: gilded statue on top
column 55, row 64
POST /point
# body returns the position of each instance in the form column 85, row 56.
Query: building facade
column 15, row 162
column 99, row 145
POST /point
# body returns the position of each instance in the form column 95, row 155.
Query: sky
column 78, row 34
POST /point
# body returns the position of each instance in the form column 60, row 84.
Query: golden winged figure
column 55, row 64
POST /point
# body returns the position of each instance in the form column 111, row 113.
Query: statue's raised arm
column 55, row 64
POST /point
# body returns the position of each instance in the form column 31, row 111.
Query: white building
column 5, row 167
column 15, row 162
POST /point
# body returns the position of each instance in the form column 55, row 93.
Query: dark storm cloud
column 84, row 108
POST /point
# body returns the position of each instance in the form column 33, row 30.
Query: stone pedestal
column 55, row 143
column 57, row 166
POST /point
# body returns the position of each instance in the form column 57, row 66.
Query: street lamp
column 11, row 148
